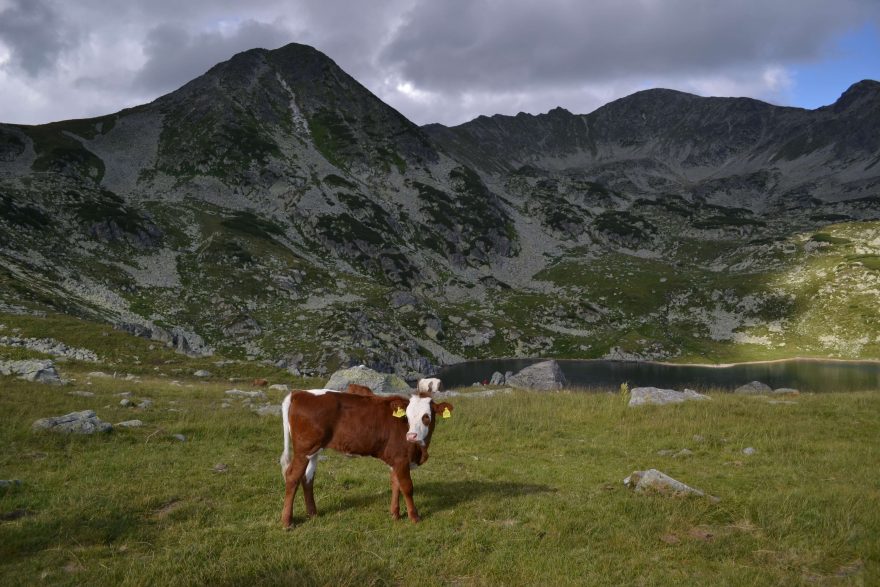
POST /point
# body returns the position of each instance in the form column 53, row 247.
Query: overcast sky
column 441, row 60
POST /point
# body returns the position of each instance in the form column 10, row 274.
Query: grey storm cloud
column 468, row 44
column 35, row 34
column 434, row 60
column 175, row 56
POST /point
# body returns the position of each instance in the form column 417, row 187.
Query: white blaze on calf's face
column 418, row 413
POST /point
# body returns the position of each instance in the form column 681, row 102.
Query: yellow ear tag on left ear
column 447, row 413
column 398, row 413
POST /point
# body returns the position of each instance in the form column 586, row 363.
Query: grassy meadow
column 520, row 489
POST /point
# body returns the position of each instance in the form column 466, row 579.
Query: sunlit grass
column 520, row 489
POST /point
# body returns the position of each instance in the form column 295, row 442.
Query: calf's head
column 421, row 414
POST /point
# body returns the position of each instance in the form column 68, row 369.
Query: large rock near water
column 42, row 371
column 544, row 376
column 380, row 383
column 85, row 422
column 754, row 388
column 641, row 396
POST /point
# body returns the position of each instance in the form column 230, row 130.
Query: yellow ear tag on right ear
column 398, row 413
column 447, row 413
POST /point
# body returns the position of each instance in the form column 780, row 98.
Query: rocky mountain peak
column 863, row 94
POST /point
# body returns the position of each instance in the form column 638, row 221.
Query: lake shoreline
column 805, row 373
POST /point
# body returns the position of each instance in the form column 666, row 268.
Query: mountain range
column 274, row 209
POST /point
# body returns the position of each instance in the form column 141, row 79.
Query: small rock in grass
column 246, row 394
column 99, row 374
column 683, row 453
column 179, row 437
column 279, row 387
column 202, row 373
column 749, row 451
column 641, row 396
column 267, row 410
column 123, row 394
column 652, row 479
column 81, row 393
column 220, row 468
column 125, row 402
column 85, row 422
column 666, row 452
column 699, row 438
column 782, row 402
column 10, row 483
column 145, row 404
column 130, row 424
column 786, row 391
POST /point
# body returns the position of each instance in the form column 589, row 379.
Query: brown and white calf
column 429, row 385
column 394, row 429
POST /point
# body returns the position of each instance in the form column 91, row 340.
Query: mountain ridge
column 275, row 209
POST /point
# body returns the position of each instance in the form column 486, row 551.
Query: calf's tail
column 284, row 461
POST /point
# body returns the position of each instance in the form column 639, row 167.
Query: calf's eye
column 426, row 419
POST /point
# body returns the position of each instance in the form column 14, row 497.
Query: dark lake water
column 805, row 375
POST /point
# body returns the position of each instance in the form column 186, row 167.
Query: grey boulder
column 85, row 422
column 497, row 378
column 41, row 371
column 641, row 396
column 754, row 388
column 380, row 383
column 543, row 376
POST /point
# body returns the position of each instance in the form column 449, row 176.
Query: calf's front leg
column 404, row 481
column 395, row 497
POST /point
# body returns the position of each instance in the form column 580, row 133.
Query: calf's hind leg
column 292, row 477
column 309, row 486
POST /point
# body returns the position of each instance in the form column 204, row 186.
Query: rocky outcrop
column 50, row 347
column 543, row 376
column 181, row 340
column 380, row 383
column 41, row 371
column 641, row 396
column 85, row 422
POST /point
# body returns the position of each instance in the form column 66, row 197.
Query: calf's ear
column 443, row 408
column 398, row 407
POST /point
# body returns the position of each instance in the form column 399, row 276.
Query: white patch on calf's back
column 321, row 391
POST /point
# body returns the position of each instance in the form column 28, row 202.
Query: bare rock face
column 85, row 422
column 40, row 371
column 544, row 376
column 641, row 396
column 754, row 388
column 380, row 383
